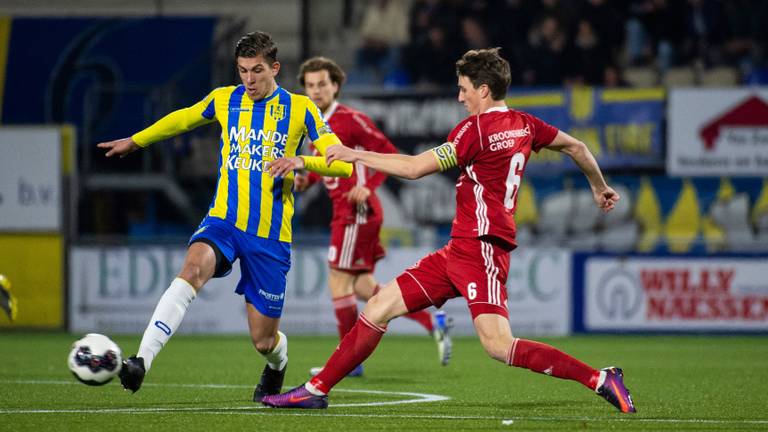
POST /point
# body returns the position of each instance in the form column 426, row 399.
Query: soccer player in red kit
column 491, row 147
column 357, row 212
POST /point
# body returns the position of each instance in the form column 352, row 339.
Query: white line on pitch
column 422, row 397
column 417, row 397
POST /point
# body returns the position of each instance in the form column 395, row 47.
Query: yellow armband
column 445, row 155
column 316, row 164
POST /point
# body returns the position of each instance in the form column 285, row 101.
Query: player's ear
column 275, row 68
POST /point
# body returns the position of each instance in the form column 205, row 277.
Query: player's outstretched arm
column 406, row 166
column 173, row 124
column 604, row 195
column 121, row 147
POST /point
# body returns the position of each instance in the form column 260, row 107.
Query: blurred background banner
column 113, row 289
column 622, row 127
column 30, row 179
column 721, row 132
column 102, row 73
column 661, row 293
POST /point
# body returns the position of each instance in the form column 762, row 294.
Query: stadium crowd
column 555, row 42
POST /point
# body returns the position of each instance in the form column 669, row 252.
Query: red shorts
column 355, row 248
column 469, row 267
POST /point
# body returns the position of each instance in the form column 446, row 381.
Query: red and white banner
column 664, row 293
column 717, row 132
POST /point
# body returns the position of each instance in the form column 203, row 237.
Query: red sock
column 346, row 313
column 548, row 360
column 356, row 346
column 422, row 317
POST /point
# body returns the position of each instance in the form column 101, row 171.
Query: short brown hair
column 256, row 44
column 486, row 66
column 317, row 64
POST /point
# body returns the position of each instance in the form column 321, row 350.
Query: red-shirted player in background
column 491, row 147
column 357, row 212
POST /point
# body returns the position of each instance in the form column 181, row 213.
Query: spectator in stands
column 607, row 18
column 475, row 36
column 546, row 54
column 587, row 57
column 430, row 60
column 384, row 31
column 704, row 36
column 659, row 32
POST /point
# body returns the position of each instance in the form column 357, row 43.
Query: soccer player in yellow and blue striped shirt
column 250, row 215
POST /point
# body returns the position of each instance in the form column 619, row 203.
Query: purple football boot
column 299, row 397
column 611, row 388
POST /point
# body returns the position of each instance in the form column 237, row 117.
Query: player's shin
column 545, row 359
column 277, row 358
column 356, row 346
column 169, row 313
column 345, row 309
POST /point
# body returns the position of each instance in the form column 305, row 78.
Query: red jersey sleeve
column 372, row 139
column 543, row 133
column 463, row 137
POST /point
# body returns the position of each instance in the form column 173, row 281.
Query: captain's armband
column 445, row 155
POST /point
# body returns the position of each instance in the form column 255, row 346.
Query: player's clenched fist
column 606, row 199
column 121, row 147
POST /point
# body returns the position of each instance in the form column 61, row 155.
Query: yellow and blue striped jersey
column 253, row 133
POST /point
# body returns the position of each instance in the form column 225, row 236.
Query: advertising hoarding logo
column 751, row 115
column 619, row 296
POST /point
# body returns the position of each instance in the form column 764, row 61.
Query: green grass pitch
column 206, row 382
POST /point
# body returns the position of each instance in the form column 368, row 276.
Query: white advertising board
column 668, row 293
column 115, row 289
column 714, row 132
column 30, row 179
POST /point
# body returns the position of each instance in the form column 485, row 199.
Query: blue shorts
column 264, row 263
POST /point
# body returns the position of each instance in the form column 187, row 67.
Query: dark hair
column 485, row 66
column 256, row 44
column 317, row 64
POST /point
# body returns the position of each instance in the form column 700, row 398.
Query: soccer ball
column 95, row 359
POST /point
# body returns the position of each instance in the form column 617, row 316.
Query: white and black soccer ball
column 95, row 359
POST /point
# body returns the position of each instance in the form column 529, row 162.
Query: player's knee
column 195, row 274
column 376, row 310
column 263, row 345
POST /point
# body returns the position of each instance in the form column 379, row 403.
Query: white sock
column 601, row 380
column 278, row 357
column 312, row 389
column 168, row 315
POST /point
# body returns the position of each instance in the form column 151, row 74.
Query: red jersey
column 492, row 149
column 355, row 130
